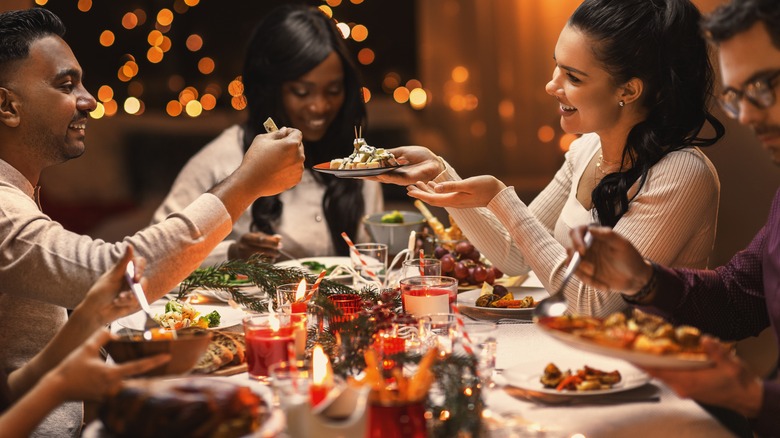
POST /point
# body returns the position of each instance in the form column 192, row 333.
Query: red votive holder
column 396, row 420
column 268, row 338
column 348, row 304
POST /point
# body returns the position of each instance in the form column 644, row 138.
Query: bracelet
column 646, row 290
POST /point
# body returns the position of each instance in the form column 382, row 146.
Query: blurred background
column 463, row 77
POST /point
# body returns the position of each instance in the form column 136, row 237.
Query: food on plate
column 364, row 157
column 316, row 267
column 584, row 379
column 394, row 217
column 180, row 314
column 406, row 388
column 191, row 407
column 226, row 349
column 499, row 297
column 641, row 332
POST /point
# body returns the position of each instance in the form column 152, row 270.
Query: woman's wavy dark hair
column 289, row 42
column 659, row 42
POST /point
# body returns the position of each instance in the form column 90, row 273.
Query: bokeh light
column 545, row 133
column 344, row 29
column 166, row 44
column 206, row 65
column 84, row 5
column 478, row 128
column 194, row 42
column 366, row 94
column 106, row 38
column 565, row 141
column 135, row 88
column 460, row 74
column 105, row 93
column 191, row 3
column 418, row 98
column 129, row 21
column 391, row 82
column 506, row 109
column 401, row 95
column 413, row 83
column 155, row 38
column 366, row 56
column 154, row 55
column 193, row 108
column 236, row 87
column 98, row 112
column 333, row 3
column 41, row 2
column 187, row 95
column 132, row 105
column 326, row 10
column 359, row 33
column 175, row 83
column 238, row 102
column 141, row 15
column 208, row 102
column 165, row 17
column 173, row 108
column 111, row 107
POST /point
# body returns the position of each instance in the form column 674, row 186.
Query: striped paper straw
column 315, row 286
column 354, row 250
column 467, row 344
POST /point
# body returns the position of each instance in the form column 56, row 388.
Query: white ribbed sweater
column 671, row 221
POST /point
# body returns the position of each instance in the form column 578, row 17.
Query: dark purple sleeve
column 767, row 423
column 727, row 302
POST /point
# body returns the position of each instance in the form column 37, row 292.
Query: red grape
column 474, row 255
column 500, row 290
column 461, row 271
column 447, row 263
column 491, row 276
column 479, row 274
column 464, row 247
column 440, row 252
column 497, row 272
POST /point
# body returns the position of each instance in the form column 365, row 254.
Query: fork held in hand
column 555, row 304
column 138, row 291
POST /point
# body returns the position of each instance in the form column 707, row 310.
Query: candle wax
column 298, row 307
column 317, row 394
column 427, row 300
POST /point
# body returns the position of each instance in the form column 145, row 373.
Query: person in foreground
column 635, row 79
column 742, row 297
column 70, row 366
column 45, row 269
column 297, row 70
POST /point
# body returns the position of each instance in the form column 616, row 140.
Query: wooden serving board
column 230, row 370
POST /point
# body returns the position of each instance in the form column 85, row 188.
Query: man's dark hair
column 740, row 15
column 19, row 29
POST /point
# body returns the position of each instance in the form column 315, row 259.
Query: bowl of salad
column 393, row 228
column 185, row 349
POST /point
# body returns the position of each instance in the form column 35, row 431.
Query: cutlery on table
column 150, row 322
column 555, row 304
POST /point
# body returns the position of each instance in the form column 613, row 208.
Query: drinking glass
column 439, row 330
column 425, row 295
column 483, row 342
column 290, row 382
column 420, row 268
column 374, row 255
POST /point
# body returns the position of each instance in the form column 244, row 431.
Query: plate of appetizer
column 179, row 314
column 498, row 302
column 365, row 160
column 575, row 378
column 641, row 339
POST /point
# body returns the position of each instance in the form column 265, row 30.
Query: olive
column 500, row 290
column 485, row 300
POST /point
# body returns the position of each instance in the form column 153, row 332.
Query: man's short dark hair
column 740, row 15
column 19, row 29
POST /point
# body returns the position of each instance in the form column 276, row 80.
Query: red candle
column 298, row 307
column 265, row 347
column 322, row 376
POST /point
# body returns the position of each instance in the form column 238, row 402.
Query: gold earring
column 621, row 104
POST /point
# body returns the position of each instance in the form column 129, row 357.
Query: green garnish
column 395, row 217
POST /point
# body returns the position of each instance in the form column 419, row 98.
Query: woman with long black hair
column 633, row 78
column 298, row 71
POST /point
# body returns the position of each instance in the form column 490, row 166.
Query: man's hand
column 611, row 262
column 275, row 162
column 256, row 243
column 727, row 383
column 477, row 191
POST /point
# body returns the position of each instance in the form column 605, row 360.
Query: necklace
column 606, row 167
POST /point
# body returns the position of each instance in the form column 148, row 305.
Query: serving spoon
column 138, row 291
column 555, row 304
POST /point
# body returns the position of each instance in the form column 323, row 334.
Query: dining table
column 523, row 348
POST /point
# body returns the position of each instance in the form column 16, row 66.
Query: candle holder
column 424, row 295
column 268, row 340
column 348, row 304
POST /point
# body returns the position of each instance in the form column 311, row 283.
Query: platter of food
column 641, row 339
column 572, row 378
column 355, row 172
column 315, row 265
column 176, row 314
column 469, row 303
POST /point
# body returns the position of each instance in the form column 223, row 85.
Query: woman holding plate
column 299, row 72
column 633, row 79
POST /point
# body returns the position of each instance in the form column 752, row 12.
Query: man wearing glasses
column 743, row 297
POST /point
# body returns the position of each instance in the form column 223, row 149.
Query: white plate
column 327, row 261
column 229, row 316
column 467, row 306
column 353, row 173
column 526, row 376
column 639, row 358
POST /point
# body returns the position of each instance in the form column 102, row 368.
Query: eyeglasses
column 760, row 92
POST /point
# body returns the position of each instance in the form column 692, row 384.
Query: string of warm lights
column 126, row 92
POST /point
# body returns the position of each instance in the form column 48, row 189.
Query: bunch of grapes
column 464, row 263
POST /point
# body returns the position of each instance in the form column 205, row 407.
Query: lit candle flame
column 322, row 373
column 301, row 292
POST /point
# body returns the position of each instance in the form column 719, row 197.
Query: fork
column 555, row 304
column 150, row 322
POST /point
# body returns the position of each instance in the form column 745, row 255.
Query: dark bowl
column 185, row 350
